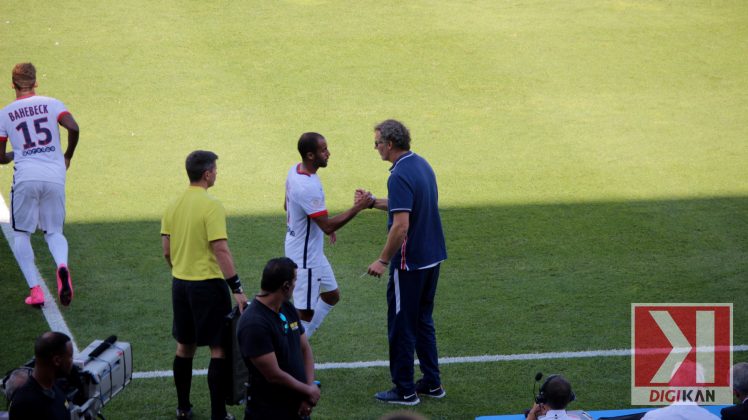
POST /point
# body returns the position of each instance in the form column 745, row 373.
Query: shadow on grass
column 516, row 276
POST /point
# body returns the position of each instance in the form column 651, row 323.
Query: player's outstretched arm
column 379, row 203
column 69, row 123
column 331, row 224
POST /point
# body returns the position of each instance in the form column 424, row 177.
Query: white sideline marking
column 443, row 360
column 51, row 311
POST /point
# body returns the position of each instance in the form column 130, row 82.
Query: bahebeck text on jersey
column 28, row 111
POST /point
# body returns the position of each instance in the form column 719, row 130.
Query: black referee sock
column 183, row 381
column 216, row 368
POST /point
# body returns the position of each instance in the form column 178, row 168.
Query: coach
column 414, row 251
column 195, row 246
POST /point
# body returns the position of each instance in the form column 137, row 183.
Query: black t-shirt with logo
column 261, row 331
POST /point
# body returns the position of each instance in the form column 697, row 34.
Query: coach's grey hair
column 740, row 377
column 395, row 132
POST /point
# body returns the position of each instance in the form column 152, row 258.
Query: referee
column 194, row 239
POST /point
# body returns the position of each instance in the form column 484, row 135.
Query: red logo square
column 681, row 352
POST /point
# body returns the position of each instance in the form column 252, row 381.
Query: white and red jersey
column 305, row 200
column 31, row 124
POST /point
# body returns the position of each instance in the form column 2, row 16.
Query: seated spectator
column 740, row 390
column 16, row 379
column 683, row 410
column 554, row 396
column 403, row 415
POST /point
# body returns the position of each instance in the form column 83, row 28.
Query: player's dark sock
column 216, row 368
column 183, row 381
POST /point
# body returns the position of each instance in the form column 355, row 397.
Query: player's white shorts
column 37, row 203
column 310, row 282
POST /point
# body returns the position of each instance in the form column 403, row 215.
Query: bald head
column 49, row 345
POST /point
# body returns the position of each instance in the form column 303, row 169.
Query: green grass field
column 590, row 154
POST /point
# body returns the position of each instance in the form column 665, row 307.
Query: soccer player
column 307, row 221
column 414, row 251
column 37, row 197
column 195, row 245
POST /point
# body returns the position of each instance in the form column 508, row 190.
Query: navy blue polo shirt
column 412, row 188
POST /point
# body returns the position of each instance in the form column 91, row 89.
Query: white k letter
column 678, row 341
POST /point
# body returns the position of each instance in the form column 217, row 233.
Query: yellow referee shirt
column 192, row 222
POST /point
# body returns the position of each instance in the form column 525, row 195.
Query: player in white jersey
column 37, row 197
column 316, row 290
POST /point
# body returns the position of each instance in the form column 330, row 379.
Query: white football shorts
column 37, row 204
column 310, row 282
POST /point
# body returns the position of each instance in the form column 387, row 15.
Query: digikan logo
column 681, row 352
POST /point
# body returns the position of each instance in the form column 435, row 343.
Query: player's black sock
column 216, row 368
column 183, row 381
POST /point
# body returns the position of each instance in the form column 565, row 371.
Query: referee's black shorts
column 199, row 307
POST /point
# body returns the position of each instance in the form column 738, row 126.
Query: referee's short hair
column 308, row 143
column 277, row 271
column 198, row 162
column 394, row 131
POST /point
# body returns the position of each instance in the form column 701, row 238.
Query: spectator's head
column 403, row 415
column 54, row 350
column 16, row 379
column 740, row 380
column 556, row 392
column 394, row 132
column 279, row 275
column 199, row 162
column 24, row 76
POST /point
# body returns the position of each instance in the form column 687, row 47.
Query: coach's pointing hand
column 377, row 268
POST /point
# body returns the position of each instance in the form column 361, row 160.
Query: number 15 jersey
column 31, row 124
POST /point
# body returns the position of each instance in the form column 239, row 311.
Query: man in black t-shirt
column 40, row 397
column 275, row 348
